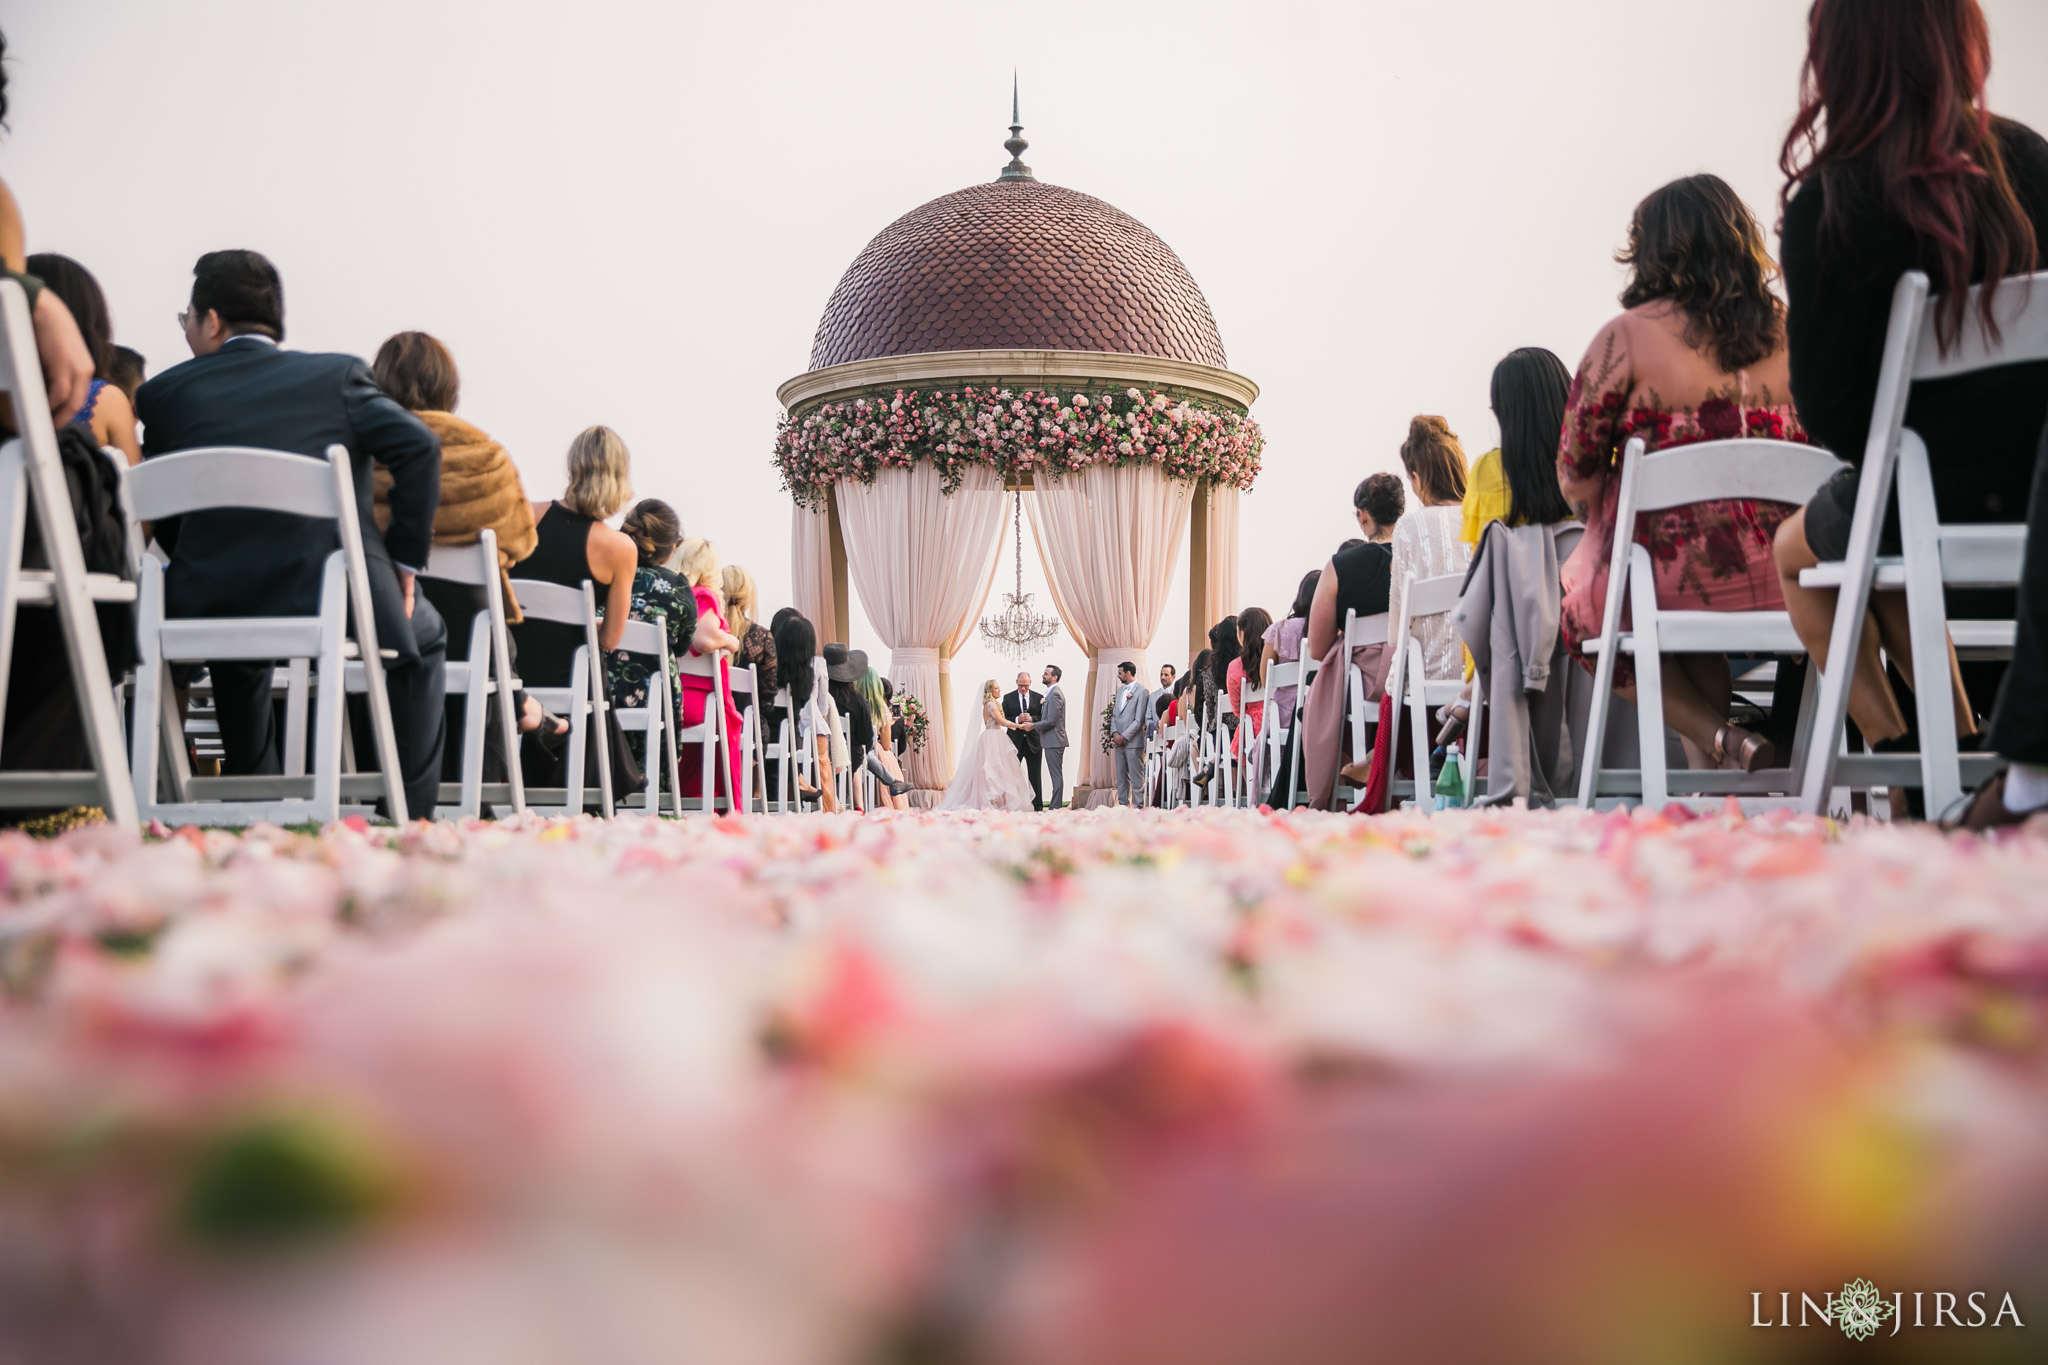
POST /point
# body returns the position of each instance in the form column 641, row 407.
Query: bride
column 991, row 775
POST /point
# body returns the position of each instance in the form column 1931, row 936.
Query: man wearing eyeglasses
column 242, row 389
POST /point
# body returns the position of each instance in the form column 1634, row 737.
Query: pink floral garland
column 1014, row 433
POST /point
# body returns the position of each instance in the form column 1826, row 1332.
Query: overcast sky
column 633, row 213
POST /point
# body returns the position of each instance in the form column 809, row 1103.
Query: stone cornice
column 1017, row 367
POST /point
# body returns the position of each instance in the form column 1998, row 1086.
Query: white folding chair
column 714, row 744
column 484, row 680
column 746, row 682
column 581, row 702
column 1767, row 471
column 1297, row 780
column 30, row 464
column 1276, row 734
column 1936, row 555
column 268, row 480
column 1409, row 684
column 1224, row 790
column 1360, row 715
column 1249, row 744
column 653, row 719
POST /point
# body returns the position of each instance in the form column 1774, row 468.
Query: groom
column 1129, row 707
column 1023, row 705
column 1052, row 729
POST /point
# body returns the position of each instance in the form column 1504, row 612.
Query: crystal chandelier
column 1017, row 630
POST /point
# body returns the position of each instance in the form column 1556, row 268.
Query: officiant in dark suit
column 240, row 389
column 1024, row 704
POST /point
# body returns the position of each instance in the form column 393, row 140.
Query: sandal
column 1735, row 747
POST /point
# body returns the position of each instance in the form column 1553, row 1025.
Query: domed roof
column 1017, row 265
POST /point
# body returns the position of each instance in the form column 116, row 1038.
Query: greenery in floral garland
column 1014, row 432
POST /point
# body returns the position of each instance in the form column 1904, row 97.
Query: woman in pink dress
column 1251, row 627
column 697, row 562
column 1698, row 356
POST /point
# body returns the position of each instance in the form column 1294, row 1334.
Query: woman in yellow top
column 1486, row 496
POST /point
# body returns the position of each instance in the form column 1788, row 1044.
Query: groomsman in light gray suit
column 1052, row 731
column 1128, row 711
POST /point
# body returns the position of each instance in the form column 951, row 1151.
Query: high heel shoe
column 1739, row 748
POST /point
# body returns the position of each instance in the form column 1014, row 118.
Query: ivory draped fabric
column 1109, row 536
column 810, row 569
column 1220, row 597
column 922, row 562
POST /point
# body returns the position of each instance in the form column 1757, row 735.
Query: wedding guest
column 696, row 563
column 1486, row 496
column 1127, row 719
column 1355, row 581
column 1698, row 355
column 757, row 645
column 1427, row 543
column 241, row 389
column 1894, row 164
column 109, row 413
column 480, row 490
column 796, row 653
column 128, row 370
column 870, row 688
column 659, row 595
column 1357, row 577
column 572, row 544
column 1252, row 624
column 67, row 364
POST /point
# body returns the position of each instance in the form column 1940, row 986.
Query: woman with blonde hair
column 882, row 757
column 696, row 561
column 573, row 544
column 991, row 774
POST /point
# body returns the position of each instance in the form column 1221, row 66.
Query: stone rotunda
column 1015, row 335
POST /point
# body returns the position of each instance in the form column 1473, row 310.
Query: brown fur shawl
column 480, row 489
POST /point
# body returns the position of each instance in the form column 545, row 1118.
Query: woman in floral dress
column 1698, row 356
column 659, row 594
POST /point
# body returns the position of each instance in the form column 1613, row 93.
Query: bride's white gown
column 990, row 776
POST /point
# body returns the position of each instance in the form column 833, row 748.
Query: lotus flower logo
column 1860, row 1311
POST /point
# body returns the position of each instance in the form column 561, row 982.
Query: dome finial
column 1016, row 144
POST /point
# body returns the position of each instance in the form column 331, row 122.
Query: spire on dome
column 1016, row 144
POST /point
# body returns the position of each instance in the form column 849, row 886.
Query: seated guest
column 108, row 412
column 1894, row 164
column 1252, row 624
column 757, row 645
column 796, row 655
column 1356, row 580
column 659, row 595
column 843, row 668
column 696, row 562
column 872, row 690
column 572, row 544
column 1699, row 355
column 1428, row 543
column 128, row 371
column 480, row 491
column 241, row 389
column 1508, row 611
column 1486, row 497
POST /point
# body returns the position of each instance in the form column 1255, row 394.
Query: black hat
column 838, row 665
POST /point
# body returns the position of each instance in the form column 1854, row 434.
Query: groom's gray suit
column 1052, row 737
column 1130, row 706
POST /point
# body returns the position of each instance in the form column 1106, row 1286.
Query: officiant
column 1024, row 704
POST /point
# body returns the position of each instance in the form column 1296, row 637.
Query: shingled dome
column 1017, row 265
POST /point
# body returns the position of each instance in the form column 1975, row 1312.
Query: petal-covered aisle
column 1158, row 1089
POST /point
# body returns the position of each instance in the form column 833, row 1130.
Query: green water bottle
column 1450, row 783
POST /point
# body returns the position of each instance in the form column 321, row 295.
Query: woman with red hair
column 1894, row 164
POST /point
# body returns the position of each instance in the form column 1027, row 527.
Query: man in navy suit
column 241, row 389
